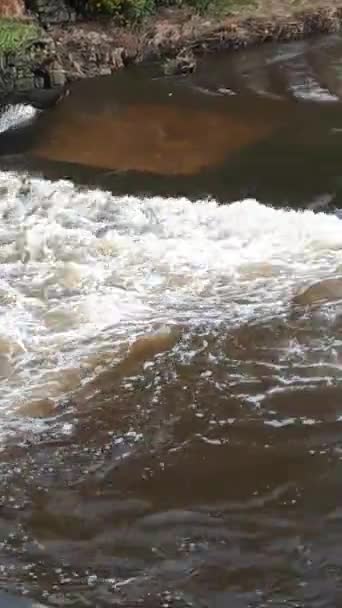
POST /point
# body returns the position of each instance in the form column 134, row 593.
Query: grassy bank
column 15, row 35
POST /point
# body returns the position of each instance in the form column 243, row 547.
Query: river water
column 170, row 337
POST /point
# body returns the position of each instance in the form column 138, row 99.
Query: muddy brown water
column 170, row 337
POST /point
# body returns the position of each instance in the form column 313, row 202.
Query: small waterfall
column 15, row 116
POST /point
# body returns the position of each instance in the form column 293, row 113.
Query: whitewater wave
column 15, row 116
column 83, row 272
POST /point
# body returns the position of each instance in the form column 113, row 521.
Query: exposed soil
column 12, row 8
column 87, row 48
column 93, row 47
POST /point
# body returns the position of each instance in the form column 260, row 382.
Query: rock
column 42, row 99
column 57, row 76
column 106, row 71
column 30, row 63
column 25, row 83
column 39, row 82
column 327, row 290
column 52, row 11
column 117, row 58
column 184, row 63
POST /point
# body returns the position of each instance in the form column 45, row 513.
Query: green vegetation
column 220, row 7
column 15, row 35
column 137, row 9
column 129, row 9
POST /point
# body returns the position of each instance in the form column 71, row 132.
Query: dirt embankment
column 94, row 47
column 69, row 49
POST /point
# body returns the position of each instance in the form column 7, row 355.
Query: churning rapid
column 84, row 274
column 170, row 363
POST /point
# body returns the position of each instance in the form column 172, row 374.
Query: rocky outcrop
column 28, row 60
column 12, row 9
column 184, row 63
column 52, row 12
column 31, row 65
column 327, row 290
column 86, row 51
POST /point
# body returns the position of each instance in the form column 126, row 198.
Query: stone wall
column 28, row 56
column 28, row 59
column 35, row 68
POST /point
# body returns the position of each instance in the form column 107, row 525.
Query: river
column 170, row 346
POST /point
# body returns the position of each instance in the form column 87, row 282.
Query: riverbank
column 68, row 48
column 91, row 48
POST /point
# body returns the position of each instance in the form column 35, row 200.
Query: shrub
column 131, row 9
column 106, row 6
column 136, row 10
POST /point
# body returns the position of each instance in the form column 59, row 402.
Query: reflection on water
column 162, row 139
column 171, row 371
column 139, row 132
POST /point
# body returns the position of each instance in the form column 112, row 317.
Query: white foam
column 303, row 83
column 310, row 90
column 16, row 116
column 81, row 272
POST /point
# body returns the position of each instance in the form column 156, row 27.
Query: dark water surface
column 170, row 342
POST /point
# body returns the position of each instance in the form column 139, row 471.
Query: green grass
column 16, row 35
